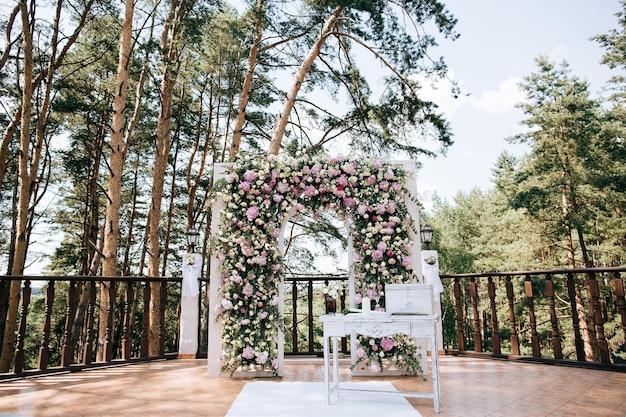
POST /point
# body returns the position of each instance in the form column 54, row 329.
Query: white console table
column 379, row 325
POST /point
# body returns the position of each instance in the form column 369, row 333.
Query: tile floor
column 470, row 387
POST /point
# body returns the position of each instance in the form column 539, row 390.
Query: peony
column 245, row 186
column 387, row 344
column 250, row 176
column 248, row 352
column 252, row 212
column 262, row 358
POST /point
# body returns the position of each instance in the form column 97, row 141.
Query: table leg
column 326, row 371
column 434, row 357
column 335, row 362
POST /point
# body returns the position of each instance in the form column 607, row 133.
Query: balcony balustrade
column 573, row 316
column 59, row 327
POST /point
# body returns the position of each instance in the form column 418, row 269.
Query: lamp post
column 193, row 238
column 426, row 234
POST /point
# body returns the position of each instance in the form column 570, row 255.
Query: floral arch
column 254, row 199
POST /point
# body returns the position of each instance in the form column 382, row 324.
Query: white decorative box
column 409, row 299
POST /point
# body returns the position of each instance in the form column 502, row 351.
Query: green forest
column 113, row 115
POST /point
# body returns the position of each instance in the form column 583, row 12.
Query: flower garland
column 259, row 193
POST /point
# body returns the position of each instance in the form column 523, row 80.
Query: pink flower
column 381, row 246
column 245, row 186
column 361, row 209
column 349, row 202
column 349, row 167
column 342, row 181
column 371, row 180
column 229, row 179
column 378, row 164
column 384, row 185
column 248, row 290
column 248, row 353
column 252, row 212
column 261, row 260
column 249, row 176
column 282, row 187
column 377, row 255
column 333, row 172
column 277, row 198
column 262, row 358
column 360, row 353
column 247, row 249
column 406, row 261
column 387, row 344
column 316, row 168
column 310, row 191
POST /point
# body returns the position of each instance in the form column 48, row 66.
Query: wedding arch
column 255, row 197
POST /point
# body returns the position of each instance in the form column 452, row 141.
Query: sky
column 499, row 42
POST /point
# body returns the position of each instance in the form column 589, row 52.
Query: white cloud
column 501, row 100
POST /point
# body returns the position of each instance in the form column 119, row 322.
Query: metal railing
column 61, row 328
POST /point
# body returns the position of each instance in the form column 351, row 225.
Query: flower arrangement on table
column 399, row 350
column 259, row 194
column 430, row 260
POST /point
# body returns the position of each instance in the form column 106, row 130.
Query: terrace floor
column 470, row 387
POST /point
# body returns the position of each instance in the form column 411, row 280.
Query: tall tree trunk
column 583, row 318
column 281, row 123
column 170, row 45
column 116, row 165
column 247, row 83
column 24, row 193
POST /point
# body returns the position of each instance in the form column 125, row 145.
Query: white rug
column 306, row 399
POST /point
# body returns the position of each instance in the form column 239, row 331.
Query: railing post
column 534, row 337
column 18, row 358
column 146, row 320
column 126, row 342
column 594, row 290
column 460, row 334
column 556, row 336
column 110, row 308
column 578, row 340
column 294, row 316
column 495, row 337
column 68, row 348
column 44, row 349
column 620, row 300
column 162, row 303
column 478, row 342
column 513, row 324
column 89, row 324
column 310, row 316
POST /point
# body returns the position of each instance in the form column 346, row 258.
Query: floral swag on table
column 259, row 194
